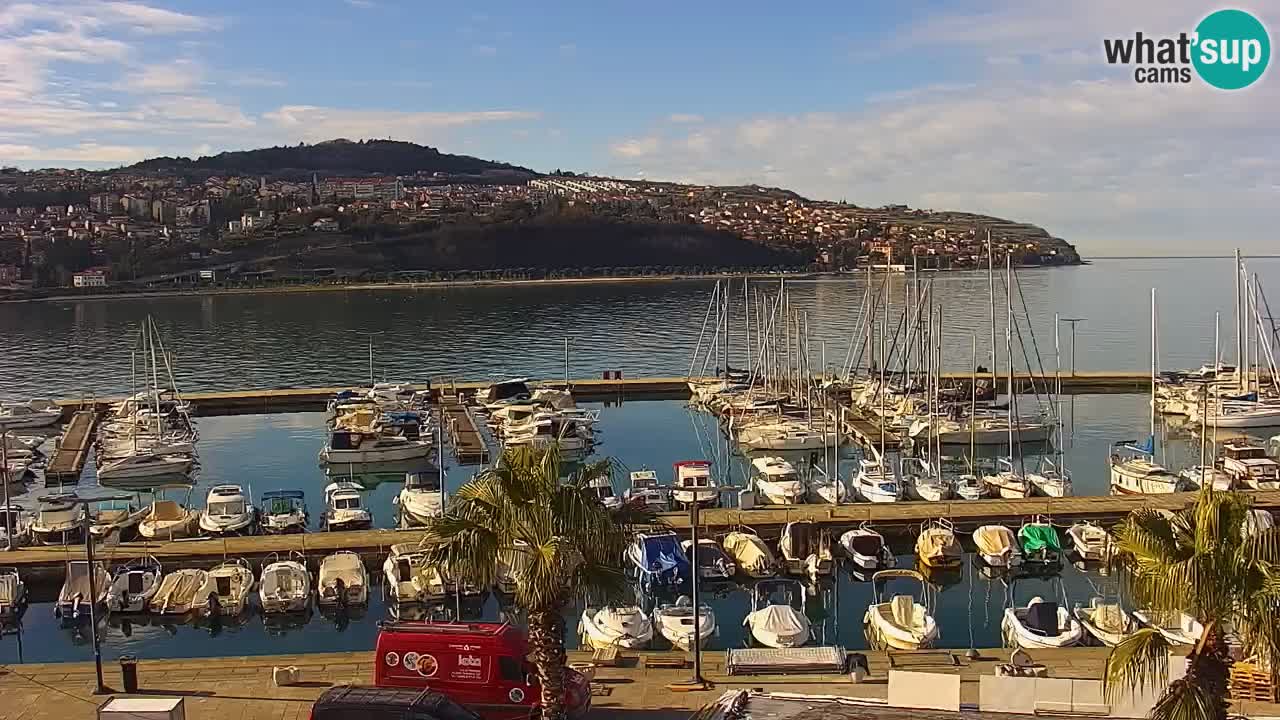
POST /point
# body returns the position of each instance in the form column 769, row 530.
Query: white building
column 89, row 278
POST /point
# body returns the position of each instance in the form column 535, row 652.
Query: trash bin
column 129, row 673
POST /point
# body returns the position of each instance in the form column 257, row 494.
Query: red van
column 480, row 665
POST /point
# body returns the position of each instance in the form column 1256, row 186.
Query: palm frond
column 1184, row 700
column 1139, row 662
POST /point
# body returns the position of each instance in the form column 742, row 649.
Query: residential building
column 372, row 188
column 93, row 277
column 10, row 274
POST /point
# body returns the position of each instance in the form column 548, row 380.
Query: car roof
column 427, row 703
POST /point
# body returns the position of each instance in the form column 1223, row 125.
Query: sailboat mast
column 1153, row 367
column 1008, row 349
column 973, row 407
column 746, row 321
column 1241, row 361
column 155, row 377
column 991, row 283
column 1057, row 391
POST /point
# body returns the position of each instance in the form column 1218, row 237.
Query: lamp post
column 697, row 682
column 1073, row 322
column 4, row 480
column 74, row 499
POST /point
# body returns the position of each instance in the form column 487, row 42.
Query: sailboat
column 920, row 482
column 1009, row 482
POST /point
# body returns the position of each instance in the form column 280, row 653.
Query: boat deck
column 868, row 430
column 72, row 452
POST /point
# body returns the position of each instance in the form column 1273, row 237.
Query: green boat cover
column 1035, row 538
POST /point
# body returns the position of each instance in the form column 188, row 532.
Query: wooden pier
column 73, row 449
column 469, row 446
column 867, row 430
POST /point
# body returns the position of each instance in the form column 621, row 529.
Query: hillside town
column 82, row 229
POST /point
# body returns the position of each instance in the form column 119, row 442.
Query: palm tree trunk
column 546, row 644
column 1208, row 671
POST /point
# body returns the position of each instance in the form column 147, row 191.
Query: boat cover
column 869, row 545
column 782, row 620
column 1042, row 617
column 904, row 611
column 1037, row 537
column 662, row 554
column 8, row 589
column 749, row 551
column 803, row 539
column 993, row 539
column 1108, row 617
column 936, row 542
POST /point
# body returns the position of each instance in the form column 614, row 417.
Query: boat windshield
column 347, row 503
column 603, row 492
column 888, row 487
column 232, row 507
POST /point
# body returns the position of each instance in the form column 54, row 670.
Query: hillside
column 335, row 157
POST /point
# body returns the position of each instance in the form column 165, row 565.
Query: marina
column 72, row 451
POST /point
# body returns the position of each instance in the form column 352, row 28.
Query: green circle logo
column 1232, row 49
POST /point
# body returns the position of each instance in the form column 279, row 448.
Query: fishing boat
column 1049, row 480
column 1135, row 472
column 1040, row 624
column 1250, row 466
column 177, row 592
column 344, row 507
column 997, row 546
column 1007, row 482
column 133, row 585
column 15, row 525
column 31, row 414
column 167, row 520
column 713, row 563
column 806, row 549
column 776, row 481
column 226, row 590
column 903, row 622
column 674, row 622
column 343, row 581
column 866, row 549
column 750, row 553
column 919, row 482
column 13, row 595
column 876, row 483
column 616, row 626
column 601, row 488
column 1108, row 623
column 1200, row 476
column 1091, row 542
column 693, row 484
column 76, row 595
column 645, row 491
column 283, row 512
column 937, row 546
column 285, row 585
column 421, row 500
column 1039, row 542
column 58, row 522
column 410, row 579
column 659, row 561
column 778, row 618
column 227, row 511
column 116, row 517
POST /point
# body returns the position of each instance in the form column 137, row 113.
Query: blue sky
column 1003, row 107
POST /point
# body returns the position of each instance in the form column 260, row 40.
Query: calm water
column 309, row 339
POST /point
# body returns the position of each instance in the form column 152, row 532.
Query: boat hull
column 407, row 452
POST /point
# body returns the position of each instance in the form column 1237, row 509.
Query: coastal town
column 145, row 227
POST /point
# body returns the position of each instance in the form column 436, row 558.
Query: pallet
column 1248, row 682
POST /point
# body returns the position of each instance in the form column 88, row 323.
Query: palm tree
column 1204, row 562
column 520, row 514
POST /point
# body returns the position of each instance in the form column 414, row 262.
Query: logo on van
column 410, row 661
column 516, row 695
column 427, row 665
column 392, row 659
column 469, row 661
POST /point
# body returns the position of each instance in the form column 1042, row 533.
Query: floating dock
column 72, row 451
column 869, row 432
column 469, row 446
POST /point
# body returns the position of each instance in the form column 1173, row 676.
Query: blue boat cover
column 663, row 556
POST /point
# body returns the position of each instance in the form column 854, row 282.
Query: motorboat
column 1049, row 480
column 902, row 622
column 145, row 464
column 226, row 590
column 997, row 546
column 750, row 553
column 919, row 482
column 693, row 483
column 969, row 486
column 713, row 562
column 227, row 511
column 15, row 525
column 1007, row 482
column 168, row 520
column 1135, row 472
column 776, row 481
column 1178, row 628
column 373, row 436
column 342, row 581
column 283, row 511
column 876, row 482
column 1039, row 542
column 1108, row 623
column 31, row 414
column 1198, row 476
column 616, row 626
column 572, row 438
column 601, row 488
column 1256, row 522
column 806, row 549
column 1250, row 466
column 674, row 622
column 58, row 522
column 1238, row 414
column 285, row 585
column 827, row 489
column 133, row 585
column 13, row 595
column 778, row 618
column 867, row 549
column 1090, row 541
column 118, row 518
column 178, row 590
column 659, row 561
column 645, row 491
column 937, row 546
column 503, row 393
column 421, row 499
column 1041, row 624
column 344, row 507
column 785, row 435
column 410, row 579
column 84, row 585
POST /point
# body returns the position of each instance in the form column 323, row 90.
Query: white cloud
column 362, row 4
column 684, row 118
column 636, row 147
column 180, row 75
column 311, row 123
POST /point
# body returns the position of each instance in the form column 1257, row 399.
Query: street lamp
column 697, row 682
column 1073, row 322
column 74, row 499
column 4, row 480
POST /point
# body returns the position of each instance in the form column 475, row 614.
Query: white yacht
column 1250, row 466
column 344, row 507
column 421, row 499
column 372, row 445
column 145, row 464
column 284, row 511
column 31, row 414
column 227, row 511
column 690, row 477
column 876, row 482
column 1135, row 472
column 646, row 491
column 58, row 522
column 776, row 481
column 982, row 430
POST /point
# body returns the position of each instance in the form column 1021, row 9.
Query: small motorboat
column 177, row 592
column 15, row 524
column 1108, row 623
column 937, row 546
column 876, row 482
column 58, row 522
column 227, row 511
column 343, row 581
column 284, row 511
column 713, row 563
column 31, row 414
column 1049, row 480
column 1039, row 542
column 903, row 622
column 601, row 489
column 116, row 518
column 675, row 622
column 1198, row 476
column 1040, row 624
column 344, row 507
column 778, row 618
column 167, row 520
column 806, row 549
column 776, row 481
column 76, row 595
column 970, row 487
column 829, row 490
column 134, row 585
column 997, row 546
column 750, row 553
column 421, row 500
column 625, row 626
column 693, row 484
column 1091, row 542
column 646, row 491
column 920, row 482
column 409, row 579
column 13, row 595
column 1178, row 628
column 226, row 590
column 285, row 585
column 659, row 561
column 866, row 548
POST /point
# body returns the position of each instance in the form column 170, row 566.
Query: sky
column 1004, row 107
